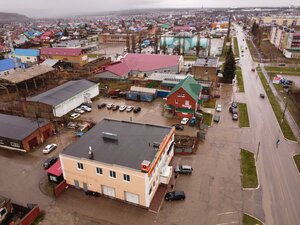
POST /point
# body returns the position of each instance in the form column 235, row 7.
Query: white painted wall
column 27, row 59
column 74, row 102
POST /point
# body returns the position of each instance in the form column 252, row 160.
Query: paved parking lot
column 150, row 113
column 213, row 191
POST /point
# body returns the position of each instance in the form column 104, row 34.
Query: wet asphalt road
column 279, row 178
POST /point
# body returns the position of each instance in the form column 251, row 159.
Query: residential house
column 185, row 98
column 6, row 66
column 206, row 68
column 123, row 160
column 27, row 56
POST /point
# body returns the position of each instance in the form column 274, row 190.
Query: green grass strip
column 297, row 161
column 244, row 118
column 236, row 47
column 240, row 80
column 207, row 117
column 248, row 169
column 249, row 220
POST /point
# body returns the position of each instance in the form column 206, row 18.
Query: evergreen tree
column 229, row 66
column 127, row 42
column 65, row 33
column 133, row 43
column 198, row 44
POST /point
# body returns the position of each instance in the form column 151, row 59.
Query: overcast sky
column 48, row 8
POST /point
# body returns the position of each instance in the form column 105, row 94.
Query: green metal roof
column 190, row 85
column 185, row 110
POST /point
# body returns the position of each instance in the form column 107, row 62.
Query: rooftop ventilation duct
column 109, row 136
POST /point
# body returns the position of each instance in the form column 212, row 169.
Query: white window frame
column 111, row 172
column 100, row 170
column 80, row 166
column 126, row 177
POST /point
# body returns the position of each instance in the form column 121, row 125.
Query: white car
column 184, row 121
column 86, row 108
column 129, row 108
column 122, row 108
column 74, row 116
column 49, row 148
column 219, row 108
column 109, row 106
column 79, row 110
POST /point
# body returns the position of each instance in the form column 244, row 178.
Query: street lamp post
column 283, row 114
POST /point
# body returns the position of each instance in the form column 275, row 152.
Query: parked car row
column 121, row 108
column 84, row 107
column 233, row 110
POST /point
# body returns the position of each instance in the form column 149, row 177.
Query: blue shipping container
column 162, row 93
column 147, row 97
column 132, row 96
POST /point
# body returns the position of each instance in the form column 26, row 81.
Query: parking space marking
column 225, row 213
column 232, row 222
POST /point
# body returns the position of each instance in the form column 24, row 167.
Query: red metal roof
column 143, row 62
column 55, row 169
column 61, row 51
column 119, row 68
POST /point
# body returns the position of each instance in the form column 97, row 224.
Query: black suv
column 178, row 126
column 233, row 110
column 137, row 109
column 49, row 162
column 175, row 195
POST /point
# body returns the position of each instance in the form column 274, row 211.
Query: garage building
column 64, row 98
column 23, row 134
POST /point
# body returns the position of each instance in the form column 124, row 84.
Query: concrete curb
column 254, row 217
column 295, row 163
column 258, row 186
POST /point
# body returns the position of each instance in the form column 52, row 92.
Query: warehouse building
column 64, row 98
column 23, row 134
column 142, row 65
column 122, row 160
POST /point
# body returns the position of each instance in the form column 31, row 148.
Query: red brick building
column 23, row 134
column 185, row 97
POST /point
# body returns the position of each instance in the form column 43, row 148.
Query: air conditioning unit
column 145, row 166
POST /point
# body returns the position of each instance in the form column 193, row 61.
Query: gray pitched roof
column 63, row 92
column 17, row 128
column 134, row 144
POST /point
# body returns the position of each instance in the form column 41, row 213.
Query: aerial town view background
column 149, row 112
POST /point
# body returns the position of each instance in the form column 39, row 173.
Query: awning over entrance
column 185, row 110
column 55, row 169
column 170, row 107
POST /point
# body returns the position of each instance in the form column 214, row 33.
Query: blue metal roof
column 26, row 52
column 7, row 64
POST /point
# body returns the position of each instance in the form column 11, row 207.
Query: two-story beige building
column 119, row 159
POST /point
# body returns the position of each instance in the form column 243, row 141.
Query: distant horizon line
column 79, row 14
